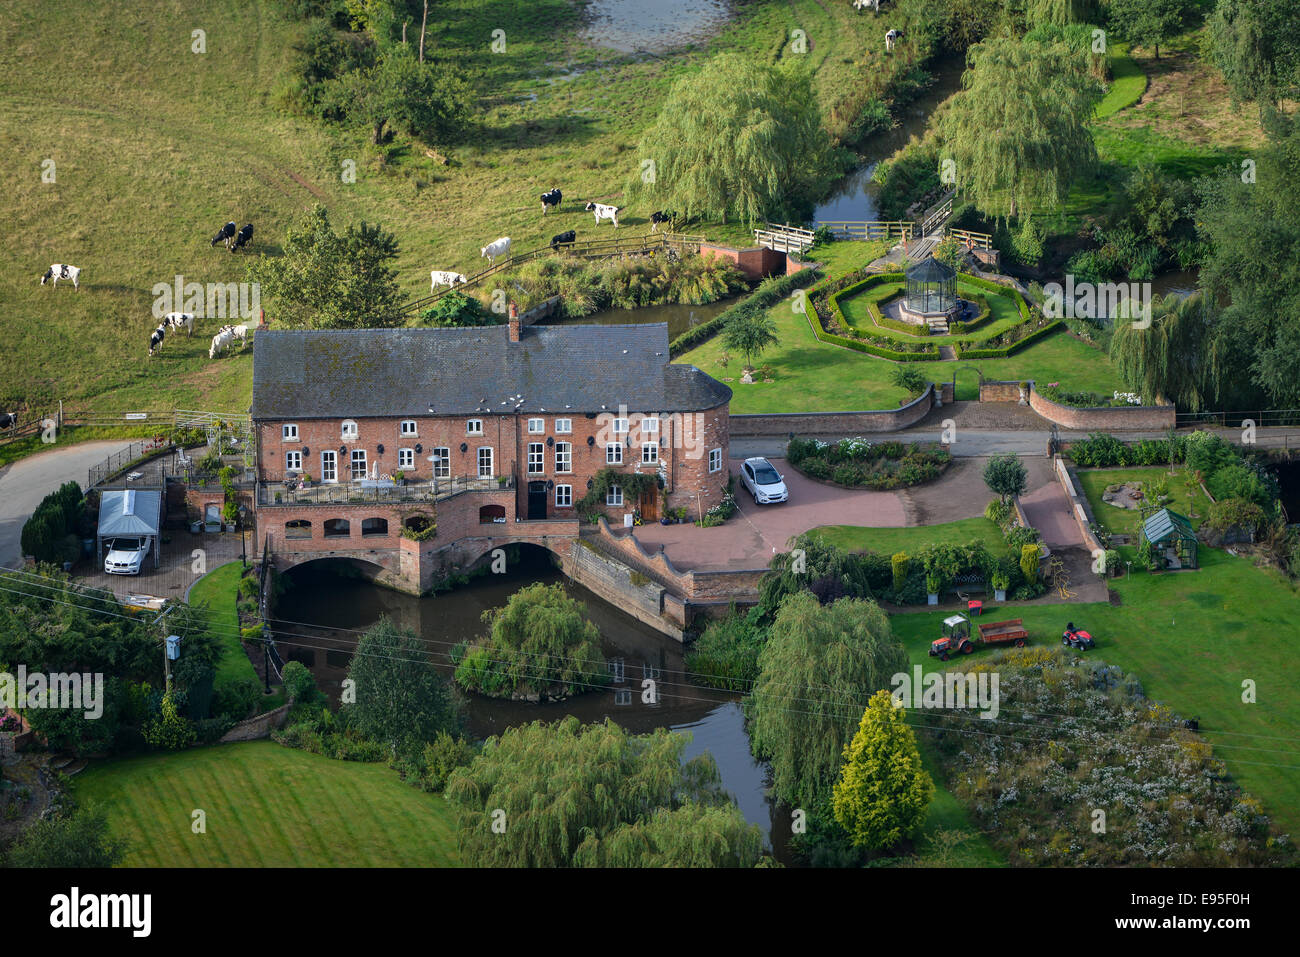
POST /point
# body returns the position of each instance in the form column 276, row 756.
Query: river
column 652, row 26
column 322, row 612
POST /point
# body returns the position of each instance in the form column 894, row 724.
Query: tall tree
column 1018, row 133
column 425, row 100
column 1256, row 45
column 820, row 665
column 538, row 793
column 737, row 139
column 694, row 835
column 1006, row 475
column 1172, row 359
column 883, row 792
column 328, row 281
column 1248, row 218
column 400, row 697
column 1148, row 22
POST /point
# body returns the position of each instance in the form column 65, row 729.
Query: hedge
column 768, row 293
column 1012, row 349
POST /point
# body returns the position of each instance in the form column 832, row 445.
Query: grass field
column 1126, row 520
column 1193, row 638
column 268, row 806
column 808, row 375
column 887, row 541
column 217, row 588
column 155, row 146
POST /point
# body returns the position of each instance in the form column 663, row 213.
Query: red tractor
column 956, row 638
column 1077, row 638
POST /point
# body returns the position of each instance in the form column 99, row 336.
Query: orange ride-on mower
column 1077, row 638
column 956, row 638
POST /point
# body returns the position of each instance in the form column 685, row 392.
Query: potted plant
column 1000, row 580
column 1024, row 393
column 501, row 480
column 306, row 480
column 933, row 583
column 399, row 477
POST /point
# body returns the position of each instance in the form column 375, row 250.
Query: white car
column 764, row 482
column 126, row 556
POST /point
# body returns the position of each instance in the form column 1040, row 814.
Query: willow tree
column 820, row 666
column 1256, row 45
column 1018, row 132
column 738, row 138
column 694, row 835
column 1059, row 12
column 538, row 793
column 1174, row 357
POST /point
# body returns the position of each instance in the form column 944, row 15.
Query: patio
column 176, row 566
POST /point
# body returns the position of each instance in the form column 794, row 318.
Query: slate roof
column 355, row 373
column 931, row 270
column 144, row 517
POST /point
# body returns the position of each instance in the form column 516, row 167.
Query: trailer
column 957, row 638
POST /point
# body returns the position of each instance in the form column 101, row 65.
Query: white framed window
column 329, row 466
column 536, row 458
column 293, row 461
column 474, row 427
column 485, row 462
column 563, row 426
column 649, row 453
column 650, row 425
column 613, row 454
column 442, row 463
column 536, row 426
column 715, row 460
column 614, row 496
column 350, row 430
column 563, row 496
column 409, row 427
column 620, row 426
column 563, row 457
column 358, row 463
column 289, row 433
column 406, row 458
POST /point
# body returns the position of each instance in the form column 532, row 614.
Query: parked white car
column 764, row 482
column 126, row 556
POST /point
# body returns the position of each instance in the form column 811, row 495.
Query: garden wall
column 757, row 262
column 1149, row 418
column 258, row 726
column 996, row 391
column 1079, row 506
column 834, row 423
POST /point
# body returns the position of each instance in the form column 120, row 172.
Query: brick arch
column 376, row 566
column 481, row 549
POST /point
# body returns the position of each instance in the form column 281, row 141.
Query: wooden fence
column 971, row 239
column 869, row 229
column 784, row 238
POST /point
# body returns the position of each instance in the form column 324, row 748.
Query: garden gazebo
column 931, row 287
column 1172, row 538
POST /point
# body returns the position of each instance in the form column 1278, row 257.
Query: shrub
column 1029, row 562
column 299, row 685
column 726, row 654
column 443, row 755
column 898, row 565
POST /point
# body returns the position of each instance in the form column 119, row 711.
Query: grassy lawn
column 155, row 147
column 887, row 541
column 947, row 814
column 217, row 588
column 1192, row 638
column 268, row 806
column 1127, row 84
column 1003, row 313
column 1126, row 520
column 811, row 376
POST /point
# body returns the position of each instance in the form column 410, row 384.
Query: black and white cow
column 603, row 211
column 563, row 239
column 892, row 37
column 156, row 339
column 225, row 234
column 551, row 200
column 8, row 420
column 180, row 320
column 243, row 238
column 660, row 217
column 59, row 271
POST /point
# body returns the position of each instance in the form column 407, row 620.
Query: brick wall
column 1079, row 507
column 991, row 391
column 834, row 423
column 757, row 262
column 793, row 265
column 258, row 726
column 1146, row 418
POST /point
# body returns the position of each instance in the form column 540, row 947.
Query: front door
column 649, row 505
column 536, row 500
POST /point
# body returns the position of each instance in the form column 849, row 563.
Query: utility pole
column 423, row 21
column 167, row 665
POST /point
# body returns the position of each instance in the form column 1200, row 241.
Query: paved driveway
column 27, row 481
column 752, row 537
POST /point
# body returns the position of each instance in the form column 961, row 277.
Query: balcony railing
column 379, row 491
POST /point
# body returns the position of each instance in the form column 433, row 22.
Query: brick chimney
column 516, row 327
column 261, row 318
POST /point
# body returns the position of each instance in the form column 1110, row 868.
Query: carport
column 130, row 513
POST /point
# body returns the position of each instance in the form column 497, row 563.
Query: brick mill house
column 470, row 439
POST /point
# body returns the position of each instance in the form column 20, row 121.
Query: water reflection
column 633, row 26
column 323, row 612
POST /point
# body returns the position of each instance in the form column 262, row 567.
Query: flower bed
column 1087, row 400
column 857, row 463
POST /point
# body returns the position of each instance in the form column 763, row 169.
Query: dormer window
column 350, row 430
